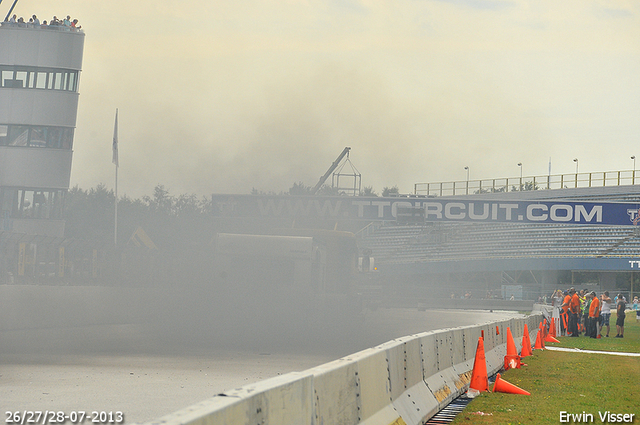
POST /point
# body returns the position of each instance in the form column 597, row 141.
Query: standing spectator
column 556, row 301
column 605, row 311
column 36, row 21
column 586, row 306
column 594, row 315
column 621, row 306
column 574, row 308
column 565, row 313
column 618, row 297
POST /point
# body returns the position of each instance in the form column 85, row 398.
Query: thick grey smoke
column 218, row 97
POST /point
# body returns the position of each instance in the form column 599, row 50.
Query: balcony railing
column 63, row 28
column 517, row 184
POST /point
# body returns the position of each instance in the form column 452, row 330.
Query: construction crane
column 331, row 169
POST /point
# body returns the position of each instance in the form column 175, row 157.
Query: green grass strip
column 575, row 383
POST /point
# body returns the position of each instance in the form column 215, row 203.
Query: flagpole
column 116, row 162
column 115, row 230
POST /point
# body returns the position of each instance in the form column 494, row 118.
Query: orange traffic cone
column 511, row 345
column 512, row 359
column 539, row 344
column 503, row 386
column 552, row 331
column 526, row 343
column 497, row 330
column 549, row 338
column 479, row 379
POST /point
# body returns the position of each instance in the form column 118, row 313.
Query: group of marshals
column 585, row 312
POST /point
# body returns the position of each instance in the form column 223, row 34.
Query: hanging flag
column 115, row 141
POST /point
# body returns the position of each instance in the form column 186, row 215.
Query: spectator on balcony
column 36, row 21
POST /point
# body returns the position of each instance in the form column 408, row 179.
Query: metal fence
column 518, row 184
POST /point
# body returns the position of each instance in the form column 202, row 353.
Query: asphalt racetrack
column 123, row 368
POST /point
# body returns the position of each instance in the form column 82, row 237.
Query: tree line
column 90, row 215
column 180, row 221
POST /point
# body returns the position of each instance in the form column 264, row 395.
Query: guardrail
column 407, row 380
column 518, row 184
column 64, row 28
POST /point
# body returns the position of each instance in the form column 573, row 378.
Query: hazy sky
column 226, row 96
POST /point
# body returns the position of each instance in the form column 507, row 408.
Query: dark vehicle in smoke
column 293, row 280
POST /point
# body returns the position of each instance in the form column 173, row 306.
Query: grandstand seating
column 392, row 243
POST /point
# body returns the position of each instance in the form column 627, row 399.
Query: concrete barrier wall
column 404, row 381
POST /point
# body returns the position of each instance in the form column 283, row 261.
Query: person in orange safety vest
column 574, row 312
column 565, row 313
column 594, row 315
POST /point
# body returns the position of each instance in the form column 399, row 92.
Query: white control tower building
column 39, row 75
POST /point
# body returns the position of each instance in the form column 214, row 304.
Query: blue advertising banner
column 427, row 209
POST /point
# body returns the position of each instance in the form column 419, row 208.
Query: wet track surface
column 124, row 368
